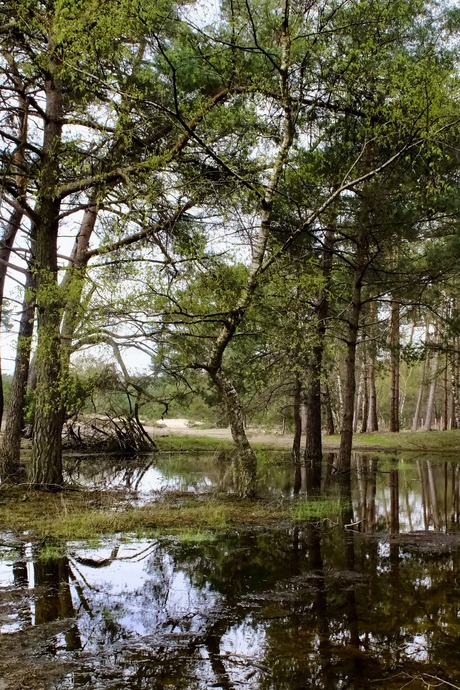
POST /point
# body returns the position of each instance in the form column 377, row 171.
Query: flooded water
column 365, row 597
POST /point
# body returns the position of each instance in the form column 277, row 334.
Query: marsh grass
column 51, row 552
column 191, row 536
column 190, row 444
column 318, row 508
column 74, row 516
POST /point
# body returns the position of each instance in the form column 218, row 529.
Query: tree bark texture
column 47, row 442
column 365, row 412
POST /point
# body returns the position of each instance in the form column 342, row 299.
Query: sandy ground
column 182, row 427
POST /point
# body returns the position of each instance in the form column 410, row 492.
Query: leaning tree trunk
column 10, row 447
column 47, row 436
column 395, row 362
column 14, row 222
column 6, row 245
column 214, row 362
column 247, row 461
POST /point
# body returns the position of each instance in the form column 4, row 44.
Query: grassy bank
column 426, row 441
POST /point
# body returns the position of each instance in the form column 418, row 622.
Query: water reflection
column 395, row 494
column 313, row 606
column 369, row 597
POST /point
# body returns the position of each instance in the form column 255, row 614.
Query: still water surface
column 375, row 605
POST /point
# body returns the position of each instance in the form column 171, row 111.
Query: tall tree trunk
column 214, row 362
column 421, row 390
column 353, row 316
column 313, row 442
column 433, row 381
column 358, row 401
column 455, row 386
column 313, row 447
column 445, row 424
column 47, row 441
column 372, row 418
column 11, row 442
column 365, row 412
column 395, row 360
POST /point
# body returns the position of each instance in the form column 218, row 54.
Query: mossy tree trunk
column 47, row 444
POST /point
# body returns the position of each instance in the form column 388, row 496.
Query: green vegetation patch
column 318, row 508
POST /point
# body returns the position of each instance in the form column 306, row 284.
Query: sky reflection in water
column 313, row 606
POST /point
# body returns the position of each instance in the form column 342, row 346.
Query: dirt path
column 180, row 427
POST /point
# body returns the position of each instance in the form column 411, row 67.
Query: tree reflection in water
column 357, row 600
